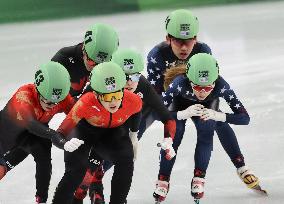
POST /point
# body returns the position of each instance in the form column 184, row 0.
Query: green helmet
column 182, row 24
column 129, row 60
column 52, row 81
column 100, row 42
column 202, row 69
column 107, row 77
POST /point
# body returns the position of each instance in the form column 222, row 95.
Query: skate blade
column 157, row 201
column 196, row 200
column 93, row 200
column 259, row 190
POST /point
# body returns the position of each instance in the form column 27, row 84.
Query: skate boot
column 96, row 191
column 82, row 190
column 97, row 195
column 162, row 188
column 39, row 200
column 251, row 181
column 77, row 201
column 197, row 188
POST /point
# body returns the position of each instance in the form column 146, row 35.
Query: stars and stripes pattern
column 156, row 67
column 161, row 57
column 181, row 87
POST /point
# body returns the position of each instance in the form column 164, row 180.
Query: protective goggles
column 133, row 77
column 198, row 88
column 90, row 62
column 181, row 42
column 108, row 97
column 48, row 103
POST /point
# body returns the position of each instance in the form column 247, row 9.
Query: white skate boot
column 161, row 191
column 197, row 188
column 39, row 200
column 251, row 181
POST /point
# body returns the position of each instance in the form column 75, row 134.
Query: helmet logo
column 56, row 93
column 203, row 76
column 88, row 36
column 101, row 57
column 128, row 64
column 187, row 68
column 167, row 21
column 38, row 77
column 184, row 29
column 110, row 83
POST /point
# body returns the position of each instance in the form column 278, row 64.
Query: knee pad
column 3, row 171
column 80, row 193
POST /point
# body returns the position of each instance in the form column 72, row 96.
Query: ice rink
column 248, row 42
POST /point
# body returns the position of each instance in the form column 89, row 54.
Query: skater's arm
column 68, row 103
column 173, row 91
column 41, row 130
column 239, row 115
column 155, row 67
column 153, row 100
column 134, row 122
column 72, row 119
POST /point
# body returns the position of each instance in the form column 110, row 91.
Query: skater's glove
column 194, row 110
column 213, row 115
column 134, row 140
column 167, row 146
column 58, row 140
column 73, row 144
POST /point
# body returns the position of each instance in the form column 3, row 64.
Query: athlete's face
column 89, row 63
column 181, row 48
column 45, row 104
column 202, row 92
column 112, row 106
column 131, row 86
column 112, row 101
column 132, row 81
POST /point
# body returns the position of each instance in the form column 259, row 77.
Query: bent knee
column 3, row 171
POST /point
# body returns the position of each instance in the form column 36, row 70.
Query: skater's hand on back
column 73, row 144
column 194, row 110
column 213, row 115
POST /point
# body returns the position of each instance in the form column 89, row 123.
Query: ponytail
column 172, row 73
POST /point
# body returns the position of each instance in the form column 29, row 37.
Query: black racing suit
column 152, row 102
column 22, row 142
column 111, row 144
column 72, row 59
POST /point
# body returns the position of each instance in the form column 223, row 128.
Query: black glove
column 58, row 140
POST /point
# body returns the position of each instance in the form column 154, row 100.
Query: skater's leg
column 204, row 147
column 41, row 151
column 148, row 117
column 75, row 168
column 14, row 157
column 118, row 148
column 166, row 166
column 230, row 144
